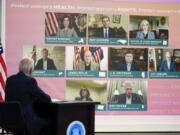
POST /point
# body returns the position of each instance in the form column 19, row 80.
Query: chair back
column 11, row 116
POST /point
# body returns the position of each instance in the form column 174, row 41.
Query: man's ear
column 30, row 71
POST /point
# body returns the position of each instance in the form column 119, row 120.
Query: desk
column 63, row 113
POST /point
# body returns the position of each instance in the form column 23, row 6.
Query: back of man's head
column 26, row 66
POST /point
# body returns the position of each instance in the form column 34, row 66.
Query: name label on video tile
column 148, row 42
column 65, row 40
column 109, row 41
column 48, row 73
column 164, row 75
column 86, row 74
column 127, row 74
column 127, row 107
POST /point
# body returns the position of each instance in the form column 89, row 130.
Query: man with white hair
column 88, row 63
column 129, row 97
column 25, row 90
column 168, row 65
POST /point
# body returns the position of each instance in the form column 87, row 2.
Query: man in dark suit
column 105, row 31
column 45, row 63
column 128, row 64
column 129, row 97
column 25, row 90
column 168, row 65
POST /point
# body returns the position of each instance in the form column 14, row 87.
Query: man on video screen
column 45, row 63
column 105, row 31
column 129, row 97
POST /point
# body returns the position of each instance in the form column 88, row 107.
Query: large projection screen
column 132, row 46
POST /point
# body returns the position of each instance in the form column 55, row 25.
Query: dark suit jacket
column 100, row 33
column 123, row 67
column 136, row 99
column 164, row 67
column 50, row 65
column 25, row 90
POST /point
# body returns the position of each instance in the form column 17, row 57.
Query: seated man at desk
column 45, row 63
column 88, row 63
column 129, row 97
column 128, row 64
column 25, row 90
column 105, row 31
column 168, row 65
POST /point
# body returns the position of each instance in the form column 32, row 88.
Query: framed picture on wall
column 177, row 53
column 116, row 18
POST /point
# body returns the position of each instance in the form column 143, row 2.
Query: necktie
column 106, row 34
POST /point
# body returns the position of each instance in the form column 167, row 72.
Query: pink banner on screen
column 26, row 26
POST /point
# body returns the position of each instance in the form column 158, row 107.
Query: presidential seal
column 76, row 128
